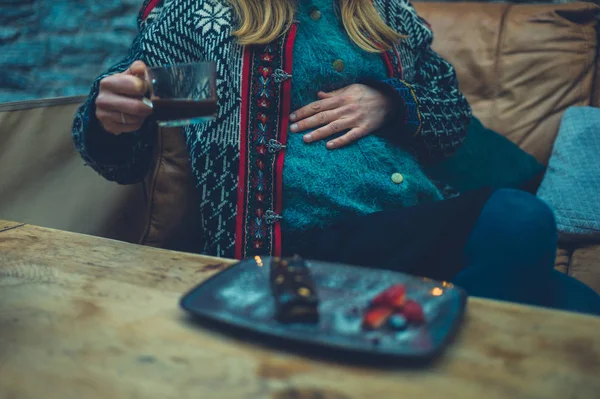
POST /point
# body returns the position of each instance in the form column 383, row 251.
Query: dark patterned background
column 55, row 48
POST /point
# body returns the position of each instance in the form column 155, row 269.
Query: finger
column 119, row 118
column 138, row 69
column 125, row 84
column 348, row 138
column 127, row 105
column 315, row 108
column 323, row 94
column 332, row 128
column 318, row 120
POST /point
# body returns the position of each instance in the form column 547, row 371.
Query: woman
column 327, row 110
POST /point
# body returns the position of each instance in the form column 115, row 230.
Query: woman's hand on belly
column 359, row 109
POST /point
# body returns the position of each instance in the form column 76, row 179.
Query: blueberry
column 397, row 322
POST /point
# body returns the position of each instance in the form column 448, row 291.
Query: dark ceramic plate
column 240, row 296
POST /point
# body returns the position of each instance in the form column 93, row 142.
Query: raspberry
column 413, row 312
column 376, row 317
column 394, row 296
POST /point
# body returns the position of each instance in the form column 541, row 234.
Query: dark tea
column 173, row 110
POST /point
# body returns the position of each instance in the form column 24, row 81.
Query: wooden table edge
column 6, row 225
column 472, row 301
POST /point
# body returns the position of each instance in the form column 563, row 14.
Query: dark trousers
column 495, row 244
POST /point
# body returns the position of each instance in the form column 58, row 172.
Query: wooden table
column 83, row 317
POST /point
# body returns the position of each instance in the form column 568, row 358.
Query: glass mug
column 183, row 94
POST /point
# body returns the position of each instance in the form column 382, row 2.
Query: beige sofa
column 43, row 180
column 519, row 66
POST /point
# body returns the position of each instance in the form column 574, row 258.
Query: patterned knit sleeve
column 434, row 115
column 126, row 158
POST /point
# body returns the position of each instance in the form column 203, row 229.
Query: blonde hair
column 263, row 21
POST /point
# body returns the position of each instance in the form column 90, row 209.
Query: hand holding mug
column 119, row 106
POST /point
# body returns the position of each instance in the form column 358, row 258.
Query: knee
column 523, row 216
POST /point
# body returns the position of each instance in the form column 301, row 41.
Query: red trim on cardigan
column 388, row 64
column 151, row 6
column 242, row 176
column 285, row 120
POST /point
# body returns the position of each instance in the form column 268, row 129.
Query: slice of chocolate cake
column 295, row 296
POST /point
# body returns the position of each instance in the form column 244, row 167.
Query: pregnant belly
column 322, row 186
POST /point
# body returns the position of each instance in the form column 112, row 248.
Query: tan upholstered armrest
column 43, row 180
column 585, row 265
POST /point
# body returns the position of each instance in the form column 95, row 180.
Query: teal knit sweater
column 321, row 186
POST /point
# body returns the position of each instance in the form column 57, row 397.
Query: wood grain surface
column 84, row 317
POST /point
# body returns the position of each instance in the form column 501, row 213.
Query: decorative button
column 338, row 65
column 274, row 146
column 279, row 75
column 272, row 217
column 397, row 178
column 315, row 14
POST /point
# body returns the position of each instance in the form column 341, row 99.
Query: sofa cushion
column 563, row 260
column 486, row 159
column 585, row 264
column 520, row 66
column 571, row 185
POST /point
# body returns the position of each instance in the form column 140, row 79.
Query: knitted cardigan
column 322, row 187
column 238, row 158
